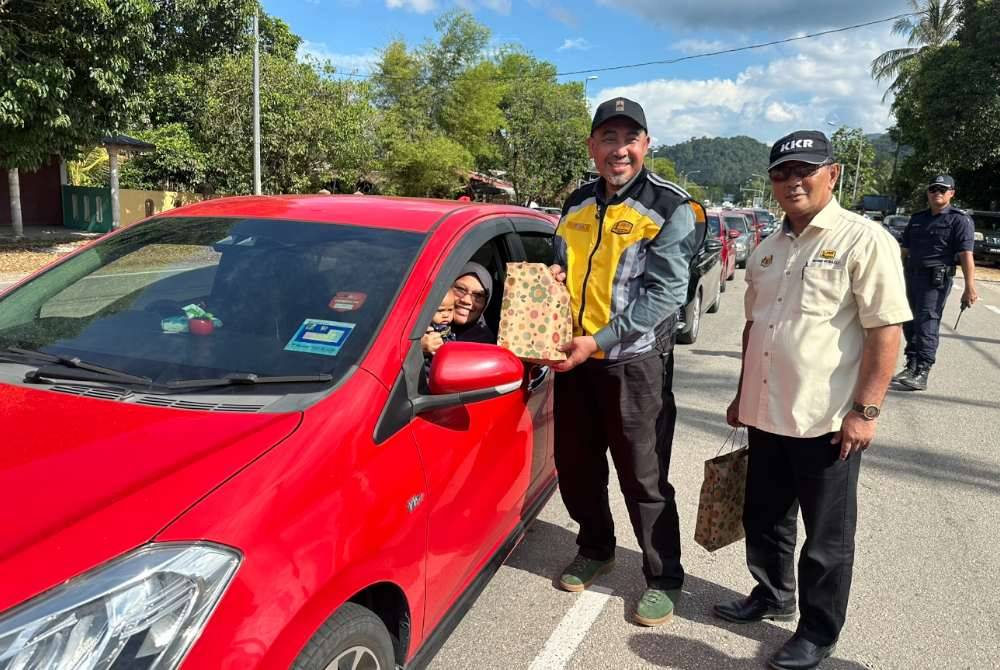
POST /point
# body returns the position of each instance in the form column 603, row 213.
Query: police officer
column 623, row 247
column 932, row 243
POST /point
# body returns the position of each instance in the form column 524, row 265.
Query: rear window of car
column 714, row 225
column 896, row 221
column 284, row 298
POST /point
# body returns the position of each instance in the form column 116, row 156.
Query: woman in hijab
column 472, row 290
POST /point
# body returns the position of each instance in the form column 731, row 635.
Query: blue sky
column 763, row 93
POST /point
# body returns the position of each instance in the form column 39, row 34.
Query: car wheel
column 691, row 334
column 354, row 637
column 718, row 301
column 722, row 283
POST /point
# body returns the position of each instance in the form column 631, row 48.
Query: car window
column 282, row 297
column 713, row 225
column 537, row 247
column 739, row 223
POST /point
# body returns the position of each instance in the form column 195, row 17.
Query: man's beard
column 620, row 179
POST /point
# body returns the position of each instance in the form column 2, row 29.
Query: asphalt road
column 924, row 594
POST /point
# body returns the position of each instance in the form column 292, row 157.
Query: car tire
column 691, row 334
column 722, row 284
column 718, row 301
column 354, row 636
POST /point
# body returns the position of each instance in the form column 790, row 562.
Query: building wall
column 138, row 205
column 41, row 198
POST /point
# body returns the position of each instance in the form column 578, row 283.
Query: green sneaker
column 582, row 572
column 656, row 606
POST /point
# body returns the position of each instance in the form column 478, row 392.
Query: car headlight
column 741, row 246
column 141, row 611
column 978, row 236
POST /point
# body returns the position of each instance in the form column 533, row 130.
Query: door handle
column 537, row 377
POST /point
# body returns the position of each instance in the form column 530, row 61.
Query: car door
column 534, row 241
column 477, row 457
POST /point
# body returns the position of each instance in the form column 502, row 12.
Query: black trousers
column 629, row 407
column 784, row 474
column 927, row 304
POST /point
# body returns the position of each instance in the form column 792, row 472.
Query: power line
column 672, row 61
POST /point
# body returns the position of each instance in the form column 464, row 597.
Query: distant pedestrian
column 825, row 297
column 623, row 246
column 934, row 242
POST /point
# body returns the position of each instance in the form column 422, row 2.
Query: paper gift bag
column 720, row 506
column 535, row 318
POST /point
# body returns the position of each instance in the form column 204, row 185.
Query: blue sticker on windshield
column 316, row 336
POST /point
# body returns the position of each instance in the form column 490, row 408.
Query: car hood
column 83, row 480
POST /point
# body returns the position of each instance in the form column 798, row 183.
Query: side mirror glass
column 712, row 245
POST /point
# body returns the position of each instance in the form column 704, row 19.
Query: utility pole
column 857, row 170
column 256, row 104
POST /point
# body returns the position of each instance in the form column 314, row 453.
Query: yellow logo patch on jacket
column 622, row 228
column 828, row 254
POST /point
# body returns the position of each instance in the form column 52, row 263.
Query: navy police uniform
column 933, row 242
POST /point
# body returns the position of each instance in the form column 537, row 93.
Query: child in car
column 440, row 326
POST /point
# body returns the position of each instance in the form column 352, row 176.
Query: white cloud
column 761, row 15
column 577, row 43
column 418, row 6
column 821, row 80
column 498, row 6
column 698, row 46
column 346, row 63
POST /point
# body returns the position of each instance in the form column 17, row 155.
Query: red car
column 718, row 229
column 269, row 487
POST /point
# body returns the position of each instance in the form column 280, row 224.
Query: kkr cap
column 609, row 109
column 808, row 146
column 942, row 180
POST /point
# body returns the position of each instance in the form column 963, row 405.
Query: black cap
column 808, row 146
column 942, row 180
column 609, row 109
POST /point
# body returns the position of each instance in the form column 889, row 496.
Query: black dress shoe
column 800, row 654
column 749, row 610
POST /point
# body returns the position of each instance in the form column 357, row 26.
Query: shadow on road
column 727, row 354
column 968, row 338
column 547, row 549
column 935, row 466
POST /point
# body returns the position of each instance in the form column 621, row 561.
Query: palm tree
column 935, row 24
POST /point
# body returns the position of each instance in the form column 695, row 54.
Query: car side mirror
column 713, row 244
column 733, row 233
column 465, row 372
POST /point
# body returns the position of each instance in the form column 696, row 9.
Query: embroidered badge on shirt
column 828, row 254
column 766, row 261
column 622, row 228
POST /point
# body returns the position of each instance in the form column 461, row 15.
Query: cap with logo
column 807, row 146
column 942, row 180
column 609, row 109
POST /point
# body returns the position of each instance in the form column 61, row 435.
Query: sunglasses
column 800, row 171
column 938, row 189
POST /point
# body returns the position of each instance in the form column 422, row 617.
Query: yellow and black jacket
column 627, row 262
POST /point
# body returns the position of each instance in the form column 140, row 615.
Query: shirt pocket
column 822, row 290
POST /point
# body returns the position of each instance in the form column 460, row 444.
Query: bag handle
column 731, row 441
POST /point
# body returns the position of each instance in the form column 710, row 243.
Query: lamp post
column 763, row 187
column 585, row 82
column 684, row 176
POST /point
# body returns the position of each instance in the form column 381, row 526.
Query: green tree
column 662, row 166
column 936, row 24
column 178, row 164
column 430, row 165
column 856, row 156
column 722, row 163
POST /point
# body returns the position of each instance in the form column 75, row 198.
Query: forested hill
column 725, row 162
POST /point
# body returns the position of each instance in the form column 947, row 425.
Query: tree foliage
column 931, row 29
column 724, row 163
column 856, row 156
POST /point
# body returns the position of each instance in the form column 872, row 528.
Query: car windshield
column 897, row 221
column 200, row 298
column 739, row 223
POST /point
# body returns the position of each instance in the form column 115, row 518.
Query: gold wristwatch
column 869, row 412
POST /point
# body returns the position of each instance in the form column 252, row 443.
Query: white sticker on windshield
column 316, row 336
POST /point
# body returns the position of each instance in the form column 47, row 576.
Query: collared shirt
column 936, row 239
column 810, row 298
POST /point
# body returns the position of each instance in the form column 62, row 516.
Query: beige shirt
column 810, row 298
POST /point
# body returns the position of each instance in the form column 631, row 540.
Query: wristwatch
column 869, row 412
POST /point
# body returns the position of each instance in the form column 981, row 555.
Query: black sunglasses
column 799, row 171
column 938, row 189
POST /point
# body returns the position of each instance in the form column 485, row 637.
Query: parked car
column 745, row 236
column 217, row 453
column 704, row 288
column 718, row 229
column 757, row 221
column 987, row 236
column 896, row 224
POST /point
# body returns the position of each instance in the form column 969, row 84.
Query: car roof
column 409, row 214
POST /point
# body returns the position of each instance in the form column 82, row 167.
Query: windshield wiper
column 79, row 370
column 247, row 379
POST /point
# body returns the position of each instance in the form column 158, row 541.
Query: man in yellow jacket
column 623, row 246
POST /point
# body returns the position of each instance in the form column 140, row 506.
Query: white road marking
column 993, row 309
column 572, row 629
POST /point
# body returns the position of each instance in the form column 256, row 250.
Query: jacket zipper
column 601, row 209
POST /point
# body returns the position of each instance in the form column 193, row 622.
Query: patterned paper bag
column 535, row 317
column 720, row 506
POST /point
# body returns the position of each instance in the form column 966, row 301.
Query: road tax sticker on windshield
column 316, row 336
column 347, row 301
